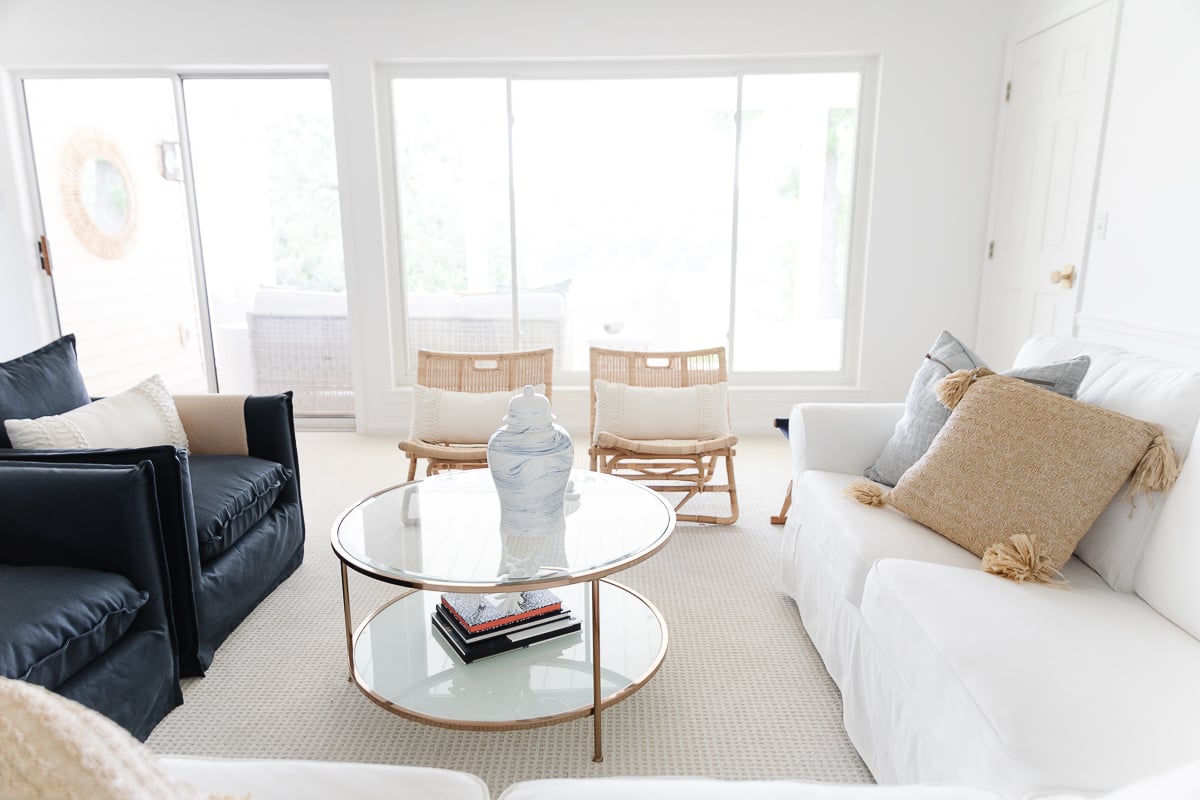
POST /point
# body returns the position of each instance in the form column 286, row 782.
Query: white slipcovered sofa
column 950, row 675
column 314, row 780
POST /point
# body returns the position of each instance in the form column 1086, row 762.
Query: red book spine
column 502, row 621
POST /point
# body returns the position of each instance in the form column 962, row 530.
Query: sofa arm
column 262, row 426
column 173, row 487
column 90, row 516
column 840, row 437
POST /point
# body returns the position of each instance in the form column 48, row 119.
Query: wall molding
column 1155, row 340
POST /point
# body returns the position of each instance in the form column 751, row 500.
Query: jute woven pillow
column 1018, row 474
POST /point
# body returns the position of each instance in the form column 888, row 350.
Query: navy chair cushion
column 46, row 381
column 56, row 620
column 230, row 494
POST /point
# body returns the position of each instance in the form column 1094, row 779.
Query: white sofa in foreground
column 314, row 780
column 950, row 675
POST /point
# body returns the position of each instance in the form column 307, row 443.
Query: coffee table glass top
column 443, row 533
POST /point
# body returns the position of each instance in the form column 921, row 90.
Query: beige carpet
column 742, row 693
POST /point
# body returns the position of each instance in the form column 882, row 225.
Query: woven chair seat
column 418, row 448
column 664, row 447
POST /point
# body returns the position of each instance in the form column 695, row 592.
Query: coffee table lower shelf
column 399, row 662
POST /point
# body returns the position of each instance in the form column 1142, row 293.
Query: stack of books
column 476, row 628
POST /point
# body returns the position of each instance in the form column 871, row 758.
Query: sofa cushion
column 143, row 416
column 1029, row 686
column 1138, row 386
column 852, row 537
column 285, row 779
column 1016, row 461
column 46, row 381
column 924, row 416
column 55, row 620
column 686, row 788
column 54, row 747
column 230, row 494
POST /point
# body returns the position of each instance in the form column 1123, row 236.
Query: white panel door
column 1045, row 176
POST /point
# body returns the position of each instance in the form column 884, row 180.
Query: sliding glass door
column 194, row 225
column 270, row 228
column 115, row 214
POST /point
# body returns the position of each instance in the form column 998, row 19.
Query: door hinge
column 1008, row 91
column 43, row 248
column 991, row 249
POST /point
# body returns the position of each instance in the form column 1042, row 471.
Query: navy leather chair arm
column 177, row 523
column 271, row 434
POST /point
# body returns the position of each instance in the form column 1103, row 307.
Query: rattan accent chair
column 666, row 465
column 473, row 373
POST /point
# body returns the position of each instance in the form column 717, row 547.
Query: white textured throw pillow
column 638, row 412
column 139, row 417
column 54, row 747
column 446, row 417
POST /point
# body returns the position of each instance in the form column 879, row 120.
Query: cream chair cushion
column 637, row 412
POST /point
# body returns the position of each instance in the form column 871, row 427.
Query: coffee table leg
column 597, row 741
column 349, row 632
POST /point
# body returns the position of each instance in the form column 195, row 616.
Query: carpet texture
column 741, row 694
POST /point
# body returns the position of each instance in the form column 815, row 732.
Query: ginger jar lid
column 529, row 409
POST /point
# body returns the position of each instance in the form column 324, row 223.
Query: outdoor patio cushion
column 230, row 494
column 56, row 620
column 46, row 381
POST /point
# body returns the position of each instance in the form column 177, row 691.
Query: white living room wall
column 941, row 67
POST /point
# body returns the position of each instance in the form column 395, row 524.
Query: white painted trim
column 1139, row 330
column 1056, row 17
column 752, row 410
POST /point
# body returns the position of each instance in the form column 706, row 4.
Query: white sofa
column 950, row 675
column 315, row 780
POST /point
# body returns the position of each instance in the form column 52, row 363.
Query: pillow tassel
column 1157, row 470
column 950, row 389
column 1020, row 558
column 867, row 493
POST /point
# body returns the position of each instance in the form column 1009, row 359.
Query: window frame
column 865, row 65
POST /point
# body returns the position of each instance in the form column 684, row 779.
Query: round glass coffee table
column 442, row 534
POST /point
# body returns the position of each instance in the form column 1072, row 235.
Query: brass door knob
column 1064, row 277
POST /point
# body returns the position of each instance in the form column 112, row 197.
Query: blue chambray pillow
column 924, row 416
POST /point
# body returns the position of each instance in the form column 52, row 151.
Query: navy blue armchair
column 229, row 506
column 85, row 600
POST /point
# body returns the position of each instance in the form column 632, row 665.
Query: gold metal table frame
column 599, row 587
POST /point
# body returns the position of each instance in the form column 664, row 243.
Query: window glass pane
column 623, row 212
column 451, row 146
column 270, row 230
column 795, row 182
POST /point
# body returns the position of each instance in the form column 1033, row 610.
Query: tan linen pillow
column 54, row 747
column 1018, row 474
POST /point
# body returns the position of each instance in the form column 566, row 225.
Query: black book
column 471, row 638
column 502, row 644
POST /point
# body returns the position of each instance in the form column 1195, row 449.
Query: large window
column 638, row 211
